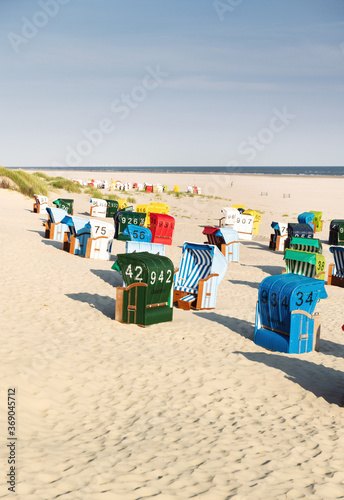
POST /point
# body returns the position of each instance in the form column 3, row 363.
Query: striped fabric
column 189, row 298
column 213, row 240
column 195, row 265
column 301, row 268
column 338, row 255
column 305, row 248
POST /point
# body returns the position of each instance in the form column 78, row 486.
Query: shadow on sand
column 322, row 381
column 240, row 326
column 111, row 277
column 52, row 243
column 272, row 270
column 248, row 283
column 106, row 305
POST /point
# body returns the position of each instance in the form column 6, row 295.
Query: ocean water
column 322, row 171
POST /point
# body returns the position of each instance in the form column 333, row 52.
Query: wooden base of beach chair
column 68, row 246
column 276, row 244
column 334, row 280
column 179, row 302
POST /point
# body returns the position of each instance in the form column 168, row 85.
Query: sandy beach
column 186, row 409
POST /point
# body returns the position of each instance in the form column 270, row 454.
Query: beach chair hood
column 56, row 214
column 305, row 218
column 154, row 270
column 306, row 244
column 77, row 223
column 138, row 233
column 300, row 230
column 279, row 295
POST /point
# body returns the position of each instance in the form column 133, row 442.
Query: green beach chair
column 308, row 264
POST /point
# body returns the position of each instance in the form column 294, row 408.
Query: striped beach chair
column 41, row 204
column 226, row 239
column 277, row 240
column 306, row 245
column 201, row 270
column 54, row 228
column 309, row 264
column 336, row 270
column 143, row 246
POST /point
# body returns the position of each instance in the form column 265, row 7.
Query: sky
column 171, row 82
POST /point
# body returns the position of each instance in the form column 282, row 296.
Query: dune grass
column 27, row 184
column 66, row 184
column 94, row 192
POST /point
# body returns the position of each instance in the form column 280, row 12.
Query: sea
column 321, row 171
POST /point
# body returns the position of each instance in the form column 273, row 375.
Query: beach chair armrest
column 209, row 277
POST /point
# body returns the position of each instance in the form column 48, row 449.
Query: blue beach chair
column 284, row 315
column 75, row 240
column 138, row 233
column 54, row 228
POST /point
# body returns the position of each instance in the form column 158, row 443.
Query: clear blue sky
column 171, row 82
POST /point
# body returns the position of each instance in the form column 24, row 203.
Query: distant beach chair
column 317, row 220
column 98, row 207
column 161, row 227
column 278, row 239
column 124, row 218
column 241, row 208
column 111, row 208
column 138, row 233
column 257, row 218
column 229, row 215
column 64, row 203
column 285, row 318
column 54, row 228
column 298, row 231
column 157, row 208
column 143, row 246
column 201, row 270
column 244, row 226
column 41, row 204
column 336, row 270
column 146, row 297
column 336, row 236
column 225, row 239
column 307, row 218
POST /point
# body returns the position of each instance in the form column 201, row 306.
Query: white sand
column 187, row 409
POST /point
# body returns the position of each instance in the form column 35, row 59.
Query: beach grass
column 66, row 184
column 25, row 183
